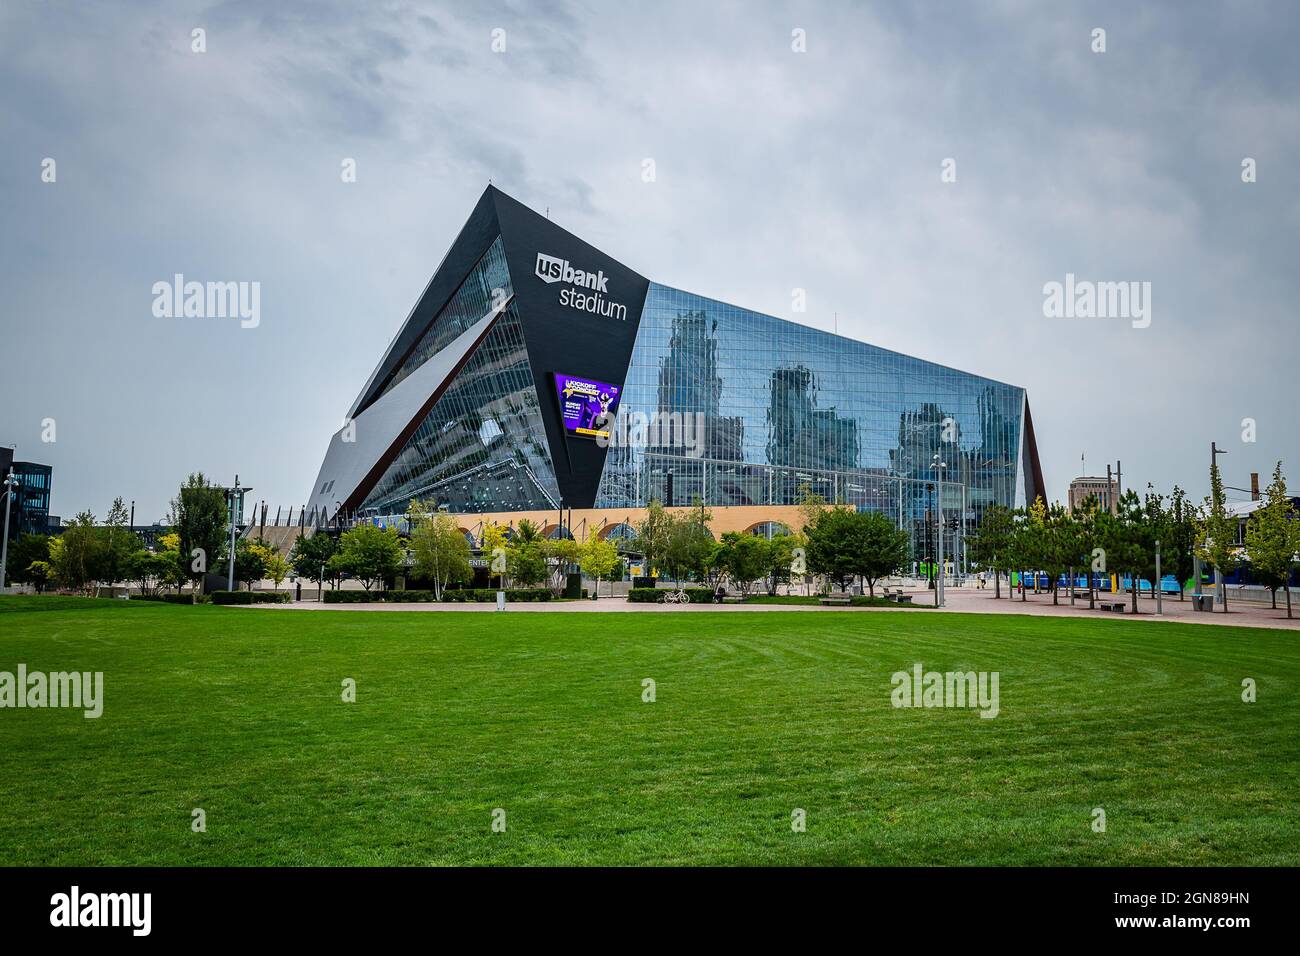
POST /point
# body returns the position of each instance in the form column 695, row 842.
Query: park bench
column 902, row 598
column 1117, row 606
column 840, row 599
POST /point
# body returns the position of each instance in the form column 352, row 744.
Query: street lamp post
column 939, row 466
column 929, row 539
column 1159, row 596
column 10, row 484
column 235, row 497
column 1220, row 586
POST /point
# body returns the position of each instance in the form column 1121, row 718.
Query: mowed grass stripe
column 237, row 711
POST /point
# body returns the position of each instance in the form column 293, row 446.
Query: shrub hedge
column 251, row 597
column 172, row 598
column 656, row 595
column 490, row 594
column 461, row 595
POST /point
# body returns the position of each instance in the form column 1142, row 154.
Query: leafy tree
column 527, row 532
column 1034, row 543
column 690, row 544
column 371, row 555
column 1016, row 551
column 1217, row 532
column 277, row 567
column 438, row 547
column 75, row 554
column 199, row 515
column 311, row 555
column 251, row 558
column 844, row 544
column 1149, row 525
column 526, row 563
column 120, row 543
column 560, row 554
column 177, row 571
column 811, row 504
column 653, row 534
column 149, row 569
column 1272, row 539
column 780, row 558
column 1122, row 540
column 1088, row 542
column 599, row 559
column 39, row 574
column 495, row 546
column 991, row 543
column 1061, row 546
column 1178, row 555
column 744, row 558
column 25, row 550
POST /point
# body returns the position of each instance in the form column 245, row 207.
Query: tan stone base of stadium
column 584, row 522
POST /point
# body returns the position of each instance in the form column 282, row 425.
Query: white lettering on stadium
column 552, row 269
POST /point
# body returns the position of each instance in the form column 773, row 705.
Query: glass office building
column 29, row 505
column 484, row 401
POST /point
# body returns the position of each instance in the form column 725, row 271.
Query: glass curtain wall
column 782, row 409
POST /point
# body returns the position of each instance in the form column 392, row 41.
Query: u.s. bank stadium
column 538, row 378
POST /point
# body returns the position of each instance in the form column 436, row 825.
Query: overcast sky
column 774, row 170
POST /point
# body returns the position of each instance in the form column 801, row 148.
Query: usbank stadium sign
column 554, row 269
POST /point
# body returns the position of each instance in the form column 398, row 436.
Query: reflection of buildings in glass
column 802, row 436
column 693, row 435
column 920, row 438
column 812, row 411
column 998, row 430
column 690, row 384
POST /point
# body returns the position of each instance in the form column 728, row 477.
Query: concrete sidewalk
column 971, row 601
column 959, row 600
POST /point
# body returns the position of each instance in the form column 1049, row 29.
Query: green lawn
column 238, row 711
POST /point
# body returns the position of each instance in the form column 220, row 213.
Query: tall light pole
column 1220, row 588
column 939, row 466
column 10, row 484
column 235, row 497
column 1160, row 607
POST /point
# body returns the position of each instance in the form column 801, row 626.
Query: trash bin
column 1203, row 602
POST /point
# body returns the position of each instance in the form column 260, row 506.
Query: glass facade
column 482, row 447
column 782, row 408
column 473, row 300
column 29, row 505
column 739, row 408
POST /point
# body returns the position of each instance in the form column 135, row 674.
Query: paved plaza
column 967, row 600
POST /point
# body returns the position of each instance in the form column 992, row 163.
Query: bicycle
column 677, row 597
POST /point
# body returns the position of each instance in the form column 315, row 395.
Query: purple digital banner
column 587, row 406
